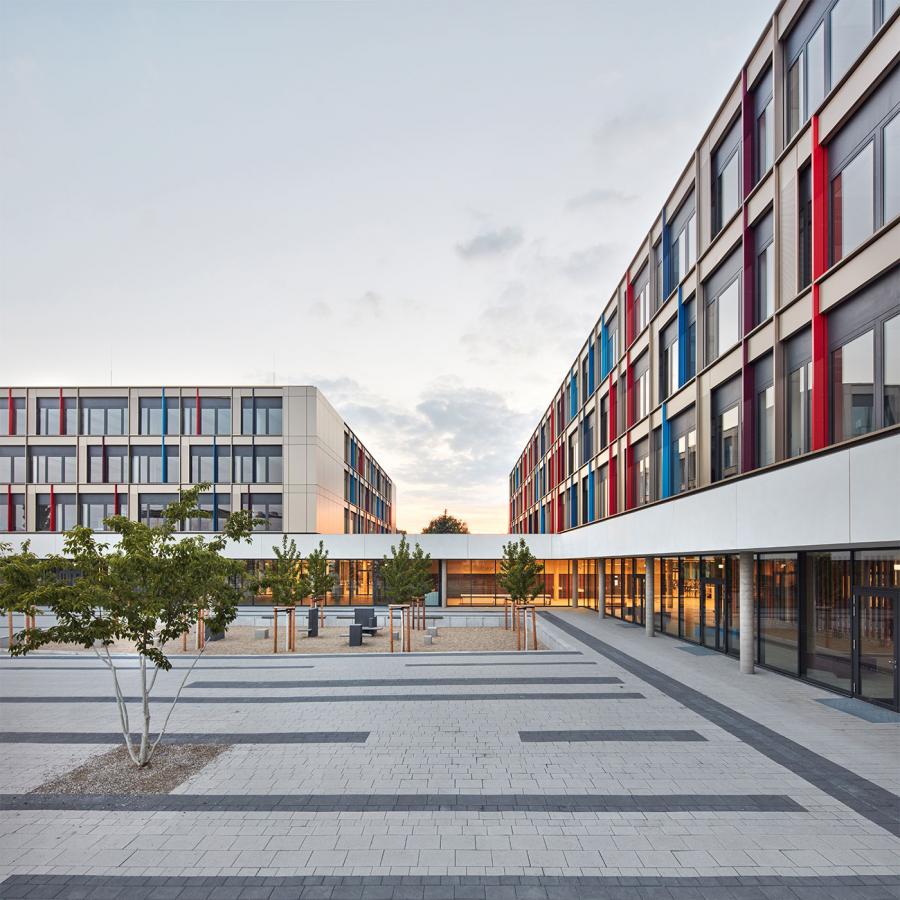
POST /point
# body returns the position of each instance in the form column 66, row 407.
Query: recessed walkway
column 685, row 780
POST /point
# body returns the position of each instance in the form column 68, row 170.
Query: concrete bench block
column 260, row 633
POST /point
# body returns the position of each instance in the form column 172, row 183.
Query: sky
column 420, row 207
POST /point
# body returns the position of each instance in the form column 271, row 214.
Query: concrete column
column 649, row 594
column 573, row 583
column 601, row 587
column 443, row 569
column 746, row 613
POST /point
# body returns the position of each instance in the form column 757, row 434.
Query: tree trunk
column 144, row 754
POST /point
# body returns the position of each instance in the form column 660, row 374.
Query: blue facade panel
column 604, row 350
column 682, row 341
column 591, row 496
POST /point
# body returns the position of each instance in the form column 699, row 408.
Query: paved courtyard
column 614, row 766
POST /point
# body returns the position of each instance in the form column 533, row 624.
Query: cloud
column 490, row 243
column 453, row 447
column 589, row 263
column 369, row 302
column 600, row 197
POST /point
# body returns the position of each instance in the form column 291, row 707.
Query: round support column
column 649, row 594
column 745, row 561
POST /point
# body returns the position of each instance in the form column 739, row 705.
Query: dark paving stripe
column 404, row 682
column 347, row 698
column 862, row 796
column 447, row 887
column 112, row 737
column 573, row 803
column 560, row 662
column 608, row 735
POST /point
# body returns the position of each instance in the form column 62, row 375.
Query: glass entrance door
column 712, row 633
column 875, row 643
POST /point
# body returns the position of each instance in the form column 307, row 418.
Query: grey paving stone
column 863, row 796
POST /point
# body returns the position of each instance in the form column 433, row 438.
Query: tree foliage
column 521, row 575
column 407, row 574
column 147, row 588
column 284, row 575
column 446, row 524
column 318, row 580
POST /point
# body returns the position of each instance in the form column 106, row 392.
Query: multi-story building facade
column 755, row 333
column 78, row 455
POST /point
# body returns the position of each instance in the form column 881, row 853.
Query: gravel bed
column 240, row 640
column 114, row 772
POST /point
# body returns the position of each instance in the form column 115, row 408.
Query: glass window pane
column 728, row 188
column 853, row 389
column 815, row 71
column 891, row 372
column 796, row 115
column 777, row 602
column 851, row 28
column 765, row 426
column 827, row 651
column 853, row 203
column 892, row 169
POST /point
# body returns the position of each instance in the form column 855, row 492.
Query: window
column 642, row 472
column 152, row 507
column 15, row 423
column 891, row 372
column 243, row 464
column 602, row 499
column 48, row 415
column 52, row 465
column 764, row 270
column 573, row 451
column 604, row 421
column 97, row 507
column 658, row 290
column 12, row 512
column 804, row 220
column 764, row 127
column 798, row 363
column 210, row 464
column 261, row 415
column 60, row 515
column 764, row 412
column 723, row 307
column 147, row 465
column 726, row 430
column 107, row 465
column 668, row 360
column 683, row 437
column 806, row 80
column 892, row 169
column 726, row 175
column 778, row 612
column 690, row 352
column 587, row 442
column 215, row 415
column 267, row 507
column 12, row 465
column 852, row 203
column 268, row 465
column 217, row 507
column 641, row 289
column 150, row 413
column 851, row 28
column 612, row 339
column 641, row 388
column 683, row 242
column 864, row 359
column 656, row 461
column 104, row 415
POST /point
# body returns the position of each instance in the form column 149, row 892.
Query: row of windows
column 156, row 416
column 256, row 464
column 864, row 195
column 356, row 456
column 864, row 395
column 64, row 511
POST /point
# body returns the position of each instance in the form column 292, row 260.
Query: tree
column 406, row 574
column 148, row 588
column 317, row 580
column 521, row 575
column 283, row 576
column 446, row 524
